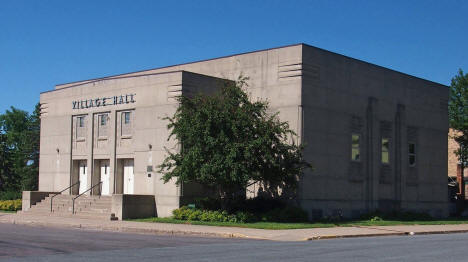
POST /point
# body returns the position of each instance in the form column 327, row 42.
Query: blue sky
column 44, row 43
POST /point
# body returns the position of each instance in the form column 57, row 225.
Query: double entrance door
column 103, row 167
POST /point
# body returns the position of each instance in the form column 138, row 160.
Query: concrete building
column 376, row 137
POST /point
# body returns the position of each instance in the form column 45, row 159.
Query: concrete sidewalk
column 213, row 231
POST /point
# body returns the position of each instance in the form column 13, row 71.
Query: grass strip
column 280, row 226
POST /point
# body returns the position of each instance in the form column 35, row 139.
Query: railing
column 73, row 200
column 56, row 194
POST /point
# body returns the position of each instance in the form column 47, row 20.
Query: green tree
column 4, row 163
column 19, row 144
column 458, row 114
column 227, row 142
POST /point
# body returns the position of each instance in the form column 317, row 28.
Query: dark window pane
column 411, row 148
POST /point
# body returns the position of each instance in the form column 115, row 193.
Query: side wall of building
column 344, row 96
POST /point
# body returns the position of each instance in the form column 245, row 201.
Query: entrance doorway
column 128, row 176
column 105, row 177
column 83, row 176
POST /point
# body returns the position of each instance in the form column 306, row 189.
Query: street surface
column 27, row 243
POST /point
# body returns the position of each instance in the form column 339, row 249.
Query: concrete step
column 89, row 213
column 92, row 207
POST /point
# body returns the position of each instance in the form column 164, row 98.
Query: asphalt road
column 25, row 243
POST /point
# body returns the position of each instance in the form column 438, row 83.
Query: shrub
column 10, row 205
column 182, row 213
column 244, row 217
column 10, row 195
column 287, row 214
column 185, row 213
column 194, row 215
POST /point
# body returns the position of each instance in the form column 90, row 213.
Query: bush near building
column 10, row 195
column 287, row 214
column 241, row 211
column 10, row 205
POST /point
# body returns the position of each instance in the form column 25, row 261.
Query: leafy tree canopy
column 458, row 114
column 227, row 142
column 19, row 149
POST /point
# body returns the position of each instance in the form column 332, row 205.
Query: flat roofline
column 193, row 62
column 372, row 64
column 123, row 76
column 244, row 53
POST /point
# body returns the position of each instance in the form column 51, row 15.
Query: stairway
column 92, row 207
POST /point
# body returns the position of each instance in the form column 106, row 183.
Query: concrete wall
column 133, row 206
column 342, row 96
column 31, row 198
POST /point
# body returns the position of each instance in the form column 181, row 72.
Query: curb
column 126, row 229
column 388, row 234
column 138, row 230
column 357, row 235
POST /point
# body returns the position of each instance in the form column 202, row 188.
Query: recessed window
column 81, row 121
column 126, row 117
column 102, row 128
column 385, row 150
column 80, row 128
column 412, row 154
column 103, row 119
column 355, row 147
column 126, row 124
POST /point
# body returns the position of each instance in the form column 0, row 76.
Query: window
column 412, row 154
column 81, row 121
column 103, row 119
column 80, row 129
column 126, row 117
column 126, row 123
column 355, row 147
column 102, row 128
column 385, row 150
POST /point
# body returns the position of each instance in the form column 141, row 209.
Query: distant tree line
column 19, row 151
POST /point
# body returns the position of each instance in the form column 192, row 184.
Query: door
column 83, row 176
column 105, row 177
column 129, row 177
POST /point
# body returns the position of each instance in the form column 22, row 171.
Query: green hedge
column 10, row 205
column 191, row 214
column 285, row 214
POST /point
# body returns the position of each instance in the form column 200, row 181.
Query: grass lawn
column 5, row 211
column 277, row 226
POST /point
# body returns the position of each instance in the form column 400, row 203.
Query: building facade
column 376, row 137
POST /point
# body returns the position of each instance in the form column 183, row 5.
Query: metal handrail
column 73, row 201
column 56, row 194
